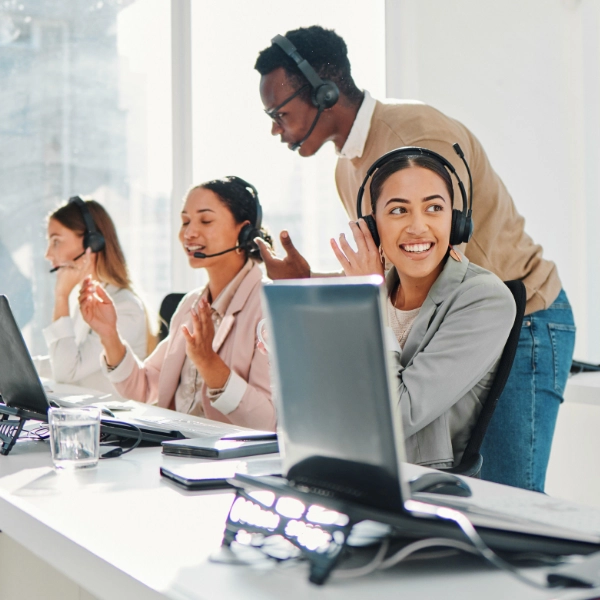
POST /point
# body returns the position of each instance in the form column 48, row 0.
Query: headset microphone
column 53, row 270
column 297, row 145
column 250, row 231
column 202, row 255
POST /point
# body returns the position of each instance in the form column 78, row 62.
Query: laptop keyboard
column 190, row 427
column 538, row 508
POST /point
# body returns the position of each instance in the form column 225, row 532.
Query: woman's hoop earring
column 454, row 254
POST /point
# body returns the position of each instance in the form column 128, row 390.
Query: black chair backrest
column 506, row 360
column 167, row 307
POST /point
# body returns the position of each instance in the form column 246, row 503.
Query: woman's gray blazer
column 449, row 360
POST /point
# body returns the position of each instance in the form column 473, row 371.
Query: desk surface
column 122, row 531
column 583, row 388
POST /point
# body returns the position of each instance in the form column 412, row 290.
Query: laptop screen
column 20, row 385
column 337, row 427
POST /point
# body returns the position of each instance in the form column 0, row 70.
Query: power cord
column 477, row 547
column 116, row 452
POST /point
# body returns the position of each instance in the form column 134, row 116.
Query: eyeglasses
column 274, row 112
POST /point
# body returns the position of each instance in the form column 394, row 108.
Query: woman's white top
column 401, row 321
column 75, row 350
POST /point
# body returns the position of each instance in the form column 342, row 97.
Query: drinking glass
column 74, row 437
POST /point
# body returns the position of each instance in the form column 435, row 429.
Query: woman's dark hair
column 241, row 198
column 406, row 162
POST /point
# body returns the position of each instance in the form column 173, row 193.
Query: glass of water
column 74, row 436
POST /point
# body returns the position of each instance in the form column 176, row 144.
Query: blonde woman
column 82, row 241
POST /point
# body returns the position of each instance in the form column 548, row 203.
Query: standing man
column 306, row 116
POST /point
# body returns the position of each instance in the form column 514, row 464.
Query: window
column 231, row 133
column 84, row 110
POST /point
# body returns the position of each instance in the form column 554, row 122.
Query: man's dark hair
column 326, row 52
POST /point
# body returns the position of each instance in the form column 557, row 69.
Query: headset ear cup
column 94, row 241
column 247, row 235
column 458, row 226
column 370, row 221
column 326, row 95
column 468, row 229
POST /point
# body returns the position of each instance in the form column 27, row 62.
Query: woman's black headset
column 92, row 238
column 462, row 223
column 248, row 232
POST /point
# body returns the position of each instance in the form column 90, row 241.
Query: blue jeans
column 516, row 448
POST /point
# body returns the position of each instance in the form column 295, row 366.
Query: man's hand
column 292, row 266
column 366, row 260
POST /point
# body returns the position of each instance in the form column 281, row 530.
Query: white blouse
column 75, row 350
column 401, row 321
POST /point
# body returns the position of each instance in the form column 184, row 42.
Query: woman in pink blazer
column 209, row 364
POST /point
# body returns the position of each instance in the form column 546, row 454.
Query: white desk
column 573, row 467
column 122, row 532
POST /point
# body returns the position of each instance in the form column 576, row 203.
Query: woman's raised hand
column 97, row 308
column 366, row 260
column 211, row 367
column 69, row 274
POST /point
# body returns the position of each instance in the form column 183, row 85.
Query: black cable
column 115, row 452
column 450, row 514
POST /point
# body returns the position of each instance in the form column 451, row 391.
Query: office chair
column 471, row 462
column 167, row 307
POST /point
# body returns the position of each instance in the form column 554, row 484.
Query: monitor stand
column 11, row 428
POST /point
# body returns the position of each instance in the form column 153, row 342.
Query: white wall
column 525, row 78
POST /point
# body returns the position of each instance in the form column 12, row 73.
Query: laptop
column 23, row 395
column 342, row 439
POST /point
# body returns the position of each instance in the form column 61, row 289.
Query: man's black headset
column 248, row 231
column 324, row 94
column 462, row 223
column 92, row 238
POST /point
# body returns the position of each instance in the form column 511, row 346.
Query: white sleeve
column 228, row 398
column 71, row 361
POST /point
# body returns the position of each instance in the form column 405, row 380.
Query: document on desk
column 529, row 507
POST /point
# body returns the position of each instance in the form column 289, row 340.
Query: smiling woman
column 450, row 317
column 209, row 364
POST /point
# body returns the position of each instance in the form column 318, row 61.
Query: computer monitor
column 332, row 388
column 20, row 385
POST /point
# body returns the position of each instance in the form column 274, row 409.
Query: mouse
column 440, row 483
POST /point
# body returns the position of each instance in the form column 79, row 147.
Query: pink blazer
column 156, row 379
